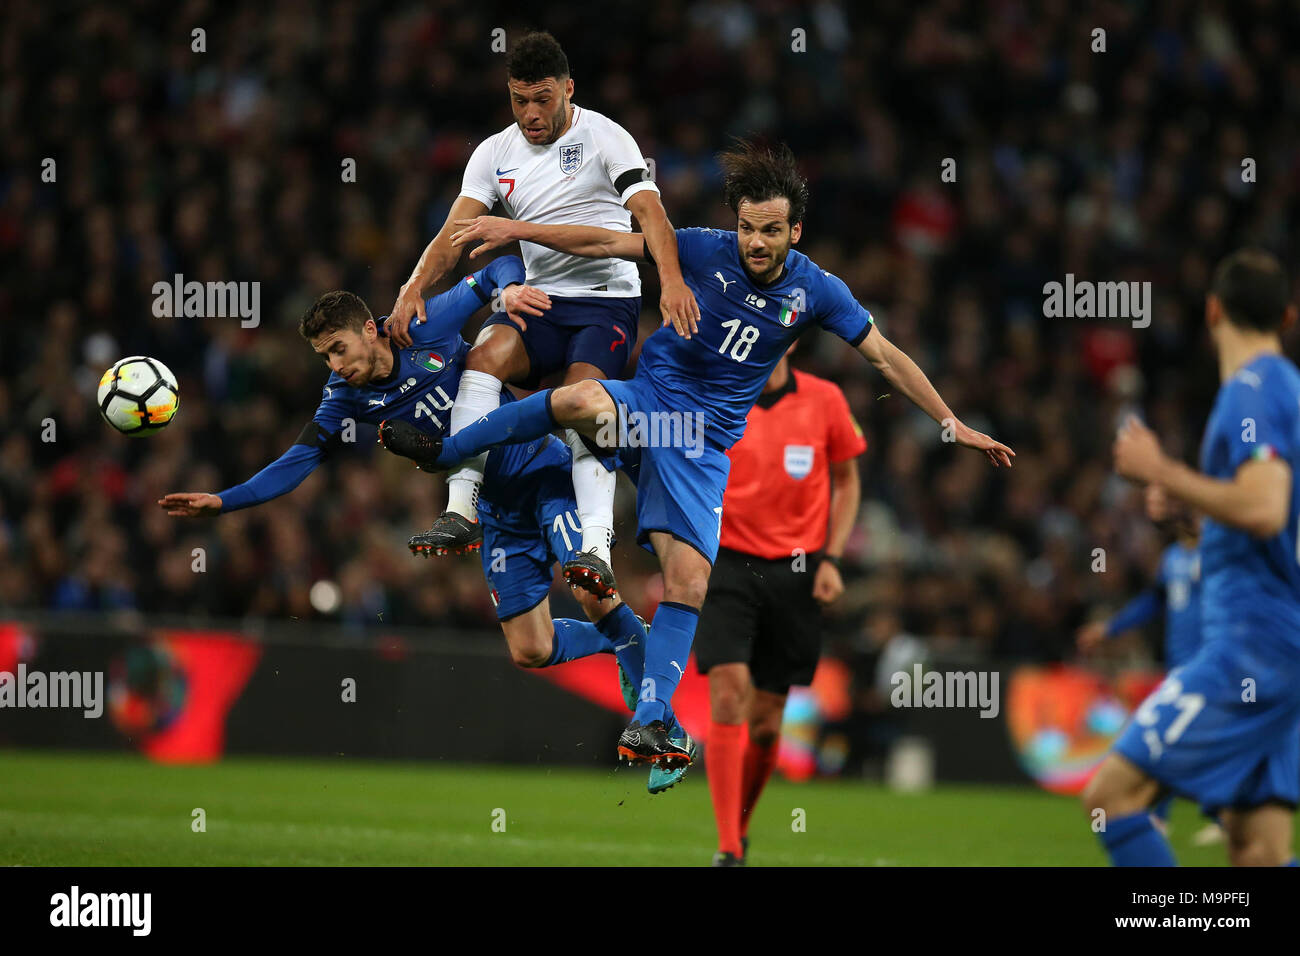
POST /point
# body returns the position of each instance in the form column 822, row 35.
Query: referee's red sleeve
column 845, row 439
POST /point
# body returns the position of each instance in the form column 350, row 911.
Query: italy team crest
column 432, row 361
column 789, row 311
column 570, row 158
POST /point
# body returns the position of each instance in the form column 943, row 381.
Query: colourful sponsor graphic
column 171, row 697
column 433, row 362
column 804, row 750
column 1062, row 720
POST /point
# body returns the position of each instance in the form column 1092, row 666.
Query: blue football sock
column 1161, row 809
column 575, row 639
column 514, row 421
column 668, row 646
column 626, row 635
column 1134, row 841
column 675, row 728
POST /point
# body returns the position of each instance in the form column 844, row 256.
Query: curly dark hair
column 333, row 312
column 1253, row 289
column 536, row 57
column 759, row 173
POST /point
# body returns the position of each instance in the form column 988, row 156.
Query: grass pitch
column 76, row 809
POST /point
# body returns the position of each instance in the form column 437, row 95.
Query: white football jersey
column 582, row 179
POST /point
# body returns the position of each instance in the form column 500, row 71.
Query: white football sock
column 478, row 394
column 593, row 487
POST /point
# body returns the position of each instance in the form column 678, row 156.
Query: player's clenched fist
column 1137, row 451
column 828, row 585
column 190, row 504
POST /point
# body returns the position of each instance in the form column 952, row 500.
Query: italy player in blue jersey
column 689, row 399
column 1224, row 728
column 527, row 510
column 1175, row 594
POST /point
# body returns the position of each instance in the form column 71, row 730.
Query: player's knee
column 1099, row 794
column 728, row 695
column 1255, row 851
column 687, row 588
column 579, row 402
column 530, row 653
column 491, row 355
column 727, row 707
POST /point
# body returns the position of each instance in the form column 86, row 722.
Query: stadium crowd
column 229, row 164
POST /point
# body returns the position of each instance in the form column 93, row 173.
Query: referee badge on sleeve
column 798, row 461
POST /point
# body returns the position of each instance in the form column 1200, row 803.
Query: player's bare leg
column 1119, row 788
column 1260, row 836
column 532, row 638
column 498, row 356
column 593, row 490
column 1117, row 800
column 531, row 635
column 581, row 407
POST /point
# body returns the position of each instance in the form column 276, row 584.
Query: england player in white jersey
column 560, row 163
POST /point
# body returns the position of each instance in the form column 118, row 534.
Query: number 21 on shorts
column 1169, row 692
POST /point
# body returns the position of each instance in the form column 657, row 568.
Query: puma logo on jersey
column 375, row 401
column 680, row 673
column 724, row 282
column 631, row 642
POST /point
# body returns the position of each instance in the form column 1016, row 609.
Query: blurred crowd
column 1115, row 164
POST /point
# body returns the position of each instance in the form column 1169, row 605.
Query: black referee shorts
column 761, row 613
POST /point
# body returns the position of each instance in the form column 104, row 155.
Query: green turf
column 102, row 809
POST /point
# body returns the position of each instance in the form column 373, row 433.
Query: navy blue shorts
column 599, row 331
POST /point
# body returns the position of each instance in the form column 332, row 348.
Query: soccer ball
column 138, row 396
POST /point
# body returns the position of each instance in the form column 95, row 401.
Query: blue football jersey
column 1244, row 578
column 421, row 389
column 744, row 330
column 1180, row 579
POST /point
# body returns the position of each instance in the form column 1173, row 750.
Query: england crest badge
column 570, row 158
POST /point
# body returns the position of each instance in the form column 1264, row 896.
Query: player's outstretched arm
column 901, row 372
column 590, row 242
column 278, row 478
column 436, row 261
column 1136, row 613
column 676, row 301
column 1254, row 500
